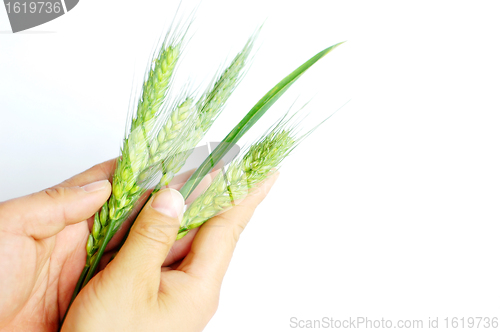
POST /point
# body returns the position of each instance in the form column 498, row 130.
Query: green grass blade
column 248, row 121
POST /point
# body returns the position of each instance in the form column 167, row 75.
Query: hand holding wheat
column 163, row 129
column 137, row 293
column 36, row 301
column 42, row 258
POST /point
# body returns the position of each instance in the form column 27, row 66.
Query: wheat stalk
column 242, row 175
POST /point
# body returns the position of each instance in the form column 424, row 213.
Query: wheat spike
column 242, row 175
column 130, row 177
column 209, row 107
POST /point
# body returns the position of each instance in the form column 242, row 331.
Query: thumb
column 46, row 213
column 151, row 236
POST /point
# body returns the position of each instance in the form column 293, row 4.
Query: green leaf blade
column 248, row 121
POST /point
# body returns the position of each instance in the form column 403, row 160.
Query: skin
column 153, row 284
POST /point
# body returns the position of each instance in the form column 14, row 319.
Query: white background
column 390, row 209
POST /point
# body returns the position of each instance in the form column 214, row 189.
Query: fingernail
column 95, row 186
column 169, row 202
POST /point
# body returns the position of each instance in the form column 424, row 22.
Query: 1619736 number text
column 471, row 322
column 32, row 7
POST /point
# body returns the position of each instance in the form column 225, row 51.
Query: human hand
column 149, row 286
column 42, row 243
column 42, row 249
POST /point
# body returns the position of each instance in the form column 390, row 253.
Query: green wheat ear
column 206, row 110
column 156, row 84
column 242, row 175
column 131, row 175
column 135, row 153
column 259, row 162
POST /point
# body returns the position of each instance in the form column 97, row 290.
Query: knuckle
column 240, row 224
column 237, row 229
column 213, row 305
column 155, row 230
column 235, row 226
column 55, row 192
column 208, row 297
column 103, row 167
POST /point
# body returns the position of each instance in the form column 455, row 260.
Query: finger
column 179, row 250
column 179, row 181
column 47, row 212
column 213, row 246
column 150, row 239
column 102, row 171
column 118, row 237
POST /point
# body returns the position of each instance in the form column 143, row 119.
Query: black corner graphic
column 26, row 14
column 70, row 4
